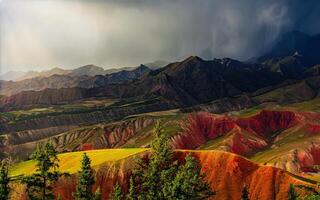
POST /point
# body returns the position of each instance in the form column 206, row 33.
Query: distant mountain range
column 87, row 70
column 86, row 77
column 192, row 81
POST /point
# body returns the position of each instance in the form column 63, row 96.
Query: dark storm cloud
column 111, row 33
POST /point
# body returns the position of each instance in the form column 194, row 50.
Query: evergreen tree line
column 158, row 177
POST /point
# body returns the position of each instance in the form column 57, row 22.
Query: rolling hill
column 264, row 182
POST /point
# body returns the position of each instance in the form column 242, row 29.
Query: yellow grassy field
column 70, row 162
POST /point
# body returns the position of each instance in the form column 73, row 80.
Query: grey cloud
column 112, row 33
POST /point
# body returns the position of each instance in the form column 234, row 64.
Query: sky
column 42, row 34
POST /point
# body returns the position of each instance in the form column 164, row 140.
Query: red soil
column 228, row 173
column 313, row 128
column 308, row 158
column 268, row 122
column 201, row 127
column 86, row 147
column 243, row 145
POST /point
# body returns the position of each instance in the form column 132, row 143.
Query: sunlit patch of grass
column 70, row 162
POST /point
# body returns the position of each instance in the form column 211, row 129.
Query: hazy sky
column 41, row 34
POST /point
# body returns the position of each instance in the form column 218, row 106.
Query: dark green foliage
column 313, row 193
column 97, row 195
column 3, row 154
column 161, row 177
column 85, row 180
column 292, row 194
column 151, row 175
column 38, row 184
column 188, row 182
column 131, row 194
column 117, row 193
column 245, row 193
column 312, row 197
column 4, row 181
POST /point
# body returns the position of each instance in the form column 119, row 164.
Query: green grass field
column 70, row 162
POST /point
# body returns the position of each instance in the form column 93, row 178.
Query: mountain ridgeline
column 293, row 60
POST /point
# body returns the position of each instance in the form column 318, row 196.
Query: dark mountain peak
column 89, row 70
column 56, row 69
column 191, row 63
column 192, row 59
column 297, row 55
column 156, row 64
column 90, row 66
column 228, row 62
column 142, row 67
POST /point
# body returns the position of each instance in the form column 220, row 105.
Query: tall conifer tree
column 85, row 180
column 47, row 164
column 245, row 193
column 292, row 194
column 117, row 193
column 160, row 177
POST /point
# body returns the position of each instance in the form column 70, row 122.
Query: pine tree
column 4, row 181
column 97, row 194
column 85, row 180
column 152, row 175
column 38, row 184
column 292, row 194
column 131, row 194
column 245, row 193
column 160, row 177
column 116, row 193
column 3, row 154
column 188, row 183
